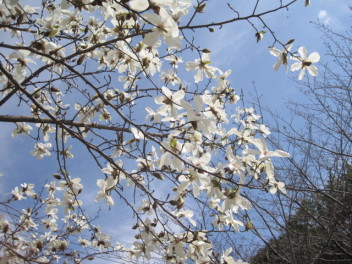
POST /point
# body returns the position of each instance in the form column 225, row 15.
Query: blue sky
column 233, row 47
column 237, row 49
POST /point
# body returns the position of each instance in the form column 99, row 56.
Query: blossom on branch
column 282, row 56
column 305, row 63
column 165, row 26
column 41, row 150
column 22, row 128
column 203, row 67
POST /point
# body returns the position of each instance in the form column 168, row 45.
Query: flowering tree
column 106, row 75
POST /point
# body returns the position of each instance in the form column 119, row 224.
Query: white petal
column 173, row 111
column 192, row 222
column 280, row 153
column 269, row 169
column 198, row 103
column 273, row 190
column 151, row 38
column 277, row 64
column 312, row 70
column 303, row 52
column 301, row 74
column 195, row 190
column 153, row 18
column 275, row 52
column 199, row 76
column 178, row 95
column 173, row 42
column 139, row 5
column 247, row 152
column 314, row 57
column 159, row 99
column 190, row 66
column 296, row 66
column 166, row 92
column 281, row 187
column 109, row 200
column 164, row 159
column 164, row 2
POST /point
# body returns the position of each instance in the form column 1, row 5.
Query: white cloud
column 324, row 17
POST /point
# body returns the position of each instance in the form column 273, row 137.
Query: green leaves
column 249, row 225
column 173, row 143
column 54, row 32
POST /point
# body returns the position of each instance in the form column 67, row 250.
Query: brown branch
column 32, row 119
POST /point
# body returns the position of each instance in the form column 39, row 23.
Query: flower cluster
column 51, row 225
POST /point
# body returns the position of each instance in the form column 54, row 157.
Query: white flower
column 282, row 56
column 170, row 76
column 215, row 108
column 46, row 130
column 105, row 115
column 22, row 57
column 22, row 128
column 197, row 119
column 84, row 242
column 69, row 203
column 67, row 152
column 106, row 187
column 75, row 186
column 102, row 241
column 171, row 151
column 170, row 102
column 225, row 258
column 28, row 189
column 193, row 178
column 152, row 116
column 174, row 60
column 137, row 134
column 114, row 171
column 41, row 150
column 186, row 214
column 305, row 62
column 277, row 185
column 263, row 151
column 203, row 67
column 17, row 194
column 165, row 26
